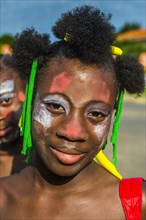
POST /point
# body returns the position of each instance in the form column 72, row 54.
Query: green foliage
column 129, row 26
column 7, row 39
column 133, row 48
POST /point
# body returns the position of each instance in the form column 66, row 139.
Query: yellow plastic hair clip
column 108, row 165
column 67, row 37
column 116, row 51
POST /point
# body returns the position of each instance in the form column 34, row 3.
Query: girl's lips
column 5, row 131
column 66, row 158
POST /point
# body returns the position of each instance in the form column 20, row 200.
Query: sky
column 17, row 15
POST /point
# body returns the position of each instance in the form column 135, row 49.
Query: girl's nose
column 73, row 131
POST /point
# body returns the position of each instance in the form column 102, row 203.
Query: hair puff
column 91, row 32
column 30, row 45
column 130, row 74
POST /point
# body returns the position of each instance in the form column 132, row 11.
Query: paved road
column 132, row 141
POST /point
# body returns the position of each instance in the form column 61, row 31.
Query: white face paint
column 82, row 75
column 7, row 96
column 41, row 114
column 99, row 130
column 6, row 86
column 58, row 100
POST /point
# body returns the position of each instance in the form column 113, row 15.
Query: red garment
column 131, row 196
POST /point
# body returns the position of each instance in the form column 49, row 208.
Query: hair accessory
column 116, row 125
column 67, row 37
column 104, row 161
column 25, row 120
column 116, row 51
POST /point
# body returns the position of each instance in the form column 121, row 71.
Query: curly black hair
column 91, row 36
column 7, row 64
column 30, row 45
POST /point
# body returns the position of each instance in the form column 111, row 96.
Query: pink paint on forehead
column 102, row 87
column 61, row 82
column 73, row 130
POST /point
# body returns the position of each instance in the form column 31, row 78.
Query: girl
column 78, row 85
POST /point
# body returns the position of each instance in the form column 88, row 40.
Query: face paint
column 102, row 128
column 82, row 76
column 21, row 96
column 60, row 82
column 7, row 96
column 6, row 86
column 41, row 114
column 73, row 130
column 99, row 130
column 58, row 100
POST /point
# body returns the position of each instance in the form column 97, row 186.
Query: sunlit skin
column 75, row 133
column 11, row 100
column 65, row 182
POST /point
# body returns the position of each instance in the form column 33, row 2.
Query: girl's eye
column 95, row 115
column 55, row 108
column 6, row 101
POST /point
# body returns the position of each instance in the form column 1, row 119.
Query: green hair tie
column 25, row 126
column 116, row 125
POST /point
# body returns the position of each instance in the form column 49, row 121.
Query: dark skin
column 11, row 99
column 64, row 182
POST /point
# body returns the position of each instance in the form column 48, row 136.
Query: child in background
column 12, row 90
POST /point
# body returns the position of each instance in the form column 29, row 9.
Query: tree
column 7, row 39
column 129, row 26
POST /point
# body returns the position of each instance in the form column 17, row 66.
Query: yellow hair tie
column 108, row 165
column 67, row 37
column 116, row 51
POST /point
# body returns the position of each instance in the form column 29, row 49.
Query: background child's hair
column 7, row 64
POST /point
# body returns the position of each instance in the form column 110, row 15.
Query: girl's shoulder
column 15, row 184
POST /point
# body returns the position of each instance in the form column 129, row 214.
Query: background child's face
column 11, row 99
column 72, row 115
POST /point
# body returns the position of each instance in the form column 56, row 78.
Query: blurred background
column 129, row 17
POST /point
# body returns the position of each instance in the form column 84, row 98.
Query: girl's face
column 71, row 115
column 11, row 99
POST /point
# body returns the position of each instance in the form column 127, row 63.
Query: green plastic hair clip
column 116, row 125
column 25, row 124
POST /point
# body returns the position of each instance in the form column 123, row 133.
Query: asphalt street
column 132, row 141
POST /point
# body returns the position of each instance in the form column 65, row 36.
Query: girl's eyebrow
column 6, row 86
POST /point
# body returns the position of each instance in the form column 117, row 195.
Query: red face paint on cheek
column 61, row 82
column 21, row 96
column 7, row 113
